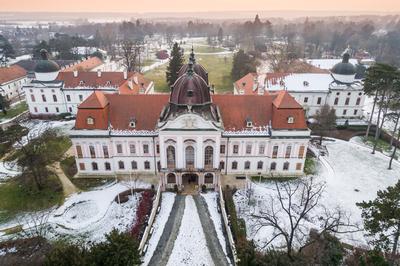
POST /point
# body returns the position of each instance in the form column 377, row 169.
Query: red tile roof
column 85, row 65
column 286, row 101
column 235, row 109
column 247, row 84
column 134, row 84
column 95, row 100
column 10, row 73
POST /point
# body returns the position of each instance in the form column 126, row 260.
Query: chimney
column 75, row 73
column 98, row 73
column 125, row 74
column 135, row 79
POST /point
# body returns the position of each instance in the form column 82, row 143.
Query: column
column 199, row 152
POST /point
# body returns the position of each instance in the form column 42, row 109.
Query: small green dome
column 45, row 65
column 344, row 67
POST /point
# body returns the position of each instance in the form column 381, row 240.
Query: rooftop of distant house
column 10, row 73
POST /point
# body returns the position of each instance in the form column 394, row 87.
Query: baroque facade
column 190, row 136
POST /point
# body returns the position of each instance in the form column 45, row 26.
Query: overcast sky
column 197, row 5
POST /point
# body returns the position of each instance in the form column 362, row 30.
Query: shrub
column 366, row 258
column 203, row 188
column 65, row 254
column 176, row 190
column 142, row 213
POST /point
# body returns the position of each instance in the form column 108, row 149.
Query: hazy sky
column 197, row 5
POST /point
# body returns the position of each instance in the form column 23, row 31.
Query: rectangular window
column 105, row 151
column 146, row 165
column 235, row 149
column 234, row 165
column 107, row 166
column 82, row 166
column 92, row 152
column 261, row 149
column 248, row 149
column 46, row 109
column 305, row 99
column 355, row 112
column 79, row 151
column 301, row 152
column 57, row 110
column 347, row 101
column 145, row 148
column 35, row 109
column 68, row 98
column 33, row 98
column 275, row 152
column 119, row 148
column 54, row 98
column 288, row 151
column 158, row 149
column 70, row 109
column 132, row 148
column 336, row 101
column 319, row 100
column 222, row 149
column 43, row 97
column 358, row 101
column 344, row 112
column 81, row 98
column 298, row 166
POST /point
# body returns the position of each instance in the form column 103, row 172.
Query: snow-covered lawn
column 87, row 216
column 8, row 170
column 351, row 174
column 190, row 246
column 167, row 201
column 211, row 199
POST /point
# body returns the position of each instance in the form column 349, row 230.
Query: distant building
column 53, row 92
column 339, row 88
column 12, row 79
column 190, row 137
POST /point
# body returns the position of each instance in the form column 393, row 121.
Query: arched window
column 221, row 165
column 121, row 165
column 260, row 165
column 146, row 165
column 90, row 120
column 286, row 166
column 234, row 165
column 208, row 157
column 171, row 179
column 107, row 166
column 171, row 157
column 273, row 166
column 134, row 165
column 92, row 151
column 247, row 165
column 189, row 154
column 209, row 178
column 95, row 167
column 288, row 151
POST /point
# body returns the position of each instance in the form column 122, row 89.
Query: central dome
column 344, row 72
column 190, row 89
column 45, row 69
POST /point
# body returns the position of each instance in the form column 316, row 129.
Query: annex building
column 190, row 136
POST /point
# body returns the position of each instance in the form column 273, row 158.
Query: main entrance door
column 190, row 183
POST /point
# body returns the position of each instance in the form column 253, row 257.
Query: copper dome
column 190, row 89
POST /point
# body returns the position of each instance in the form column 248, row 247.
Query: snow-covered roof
column 328, row 63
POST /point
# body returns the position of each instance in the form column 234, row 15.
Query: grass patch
column 14, row 111
column 17, row 196
column 218, row 66
column 205, row 49
column 382, row 145
column 264, row 179
column 87, row 184
column 310, row 166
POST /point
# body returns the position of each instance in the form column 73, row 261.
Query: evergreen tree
column 175, row 64
column 65, row 254
column 382, row 218
column 119, row 249
column 36, row 49
column 6, row 50
column 242, row 65
column 4, row 104
column 220, row 35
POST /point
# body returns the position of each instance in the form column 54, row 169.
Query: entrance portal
column 190, row 183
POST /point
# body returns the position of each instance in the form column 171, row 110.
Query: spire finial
column 190, row 70
column 192, row 58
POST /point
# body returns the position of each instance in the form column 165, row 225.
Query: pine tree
column 175, row 64
column 242, row 65
column 4, row 104
column 220, row 35
column 382, row 218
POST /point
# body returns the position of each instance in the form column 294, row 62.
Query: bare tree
column 281, row 56
column 291, row 211
column 130, row 51
column 35, row 224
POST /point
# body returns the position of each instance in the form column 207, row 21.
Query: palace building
column 190, row 135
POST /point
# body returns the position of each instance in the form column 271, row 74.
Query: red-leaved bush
column 142, row 214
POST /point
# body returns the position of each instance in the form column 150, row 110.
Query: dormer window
column 108, row 83
column 190, row 93
column 81, row 83
column 132, row 123
column 241, row 92
column 249, row 123
column 282, row 83
column 90, row 120
column 290, row 120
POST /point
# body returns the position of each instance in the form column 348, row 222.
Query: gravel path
column 213, row 243
column 171, row 230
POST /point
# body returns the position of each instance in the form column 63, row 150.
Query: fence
column 227, row 227
column 153, row 214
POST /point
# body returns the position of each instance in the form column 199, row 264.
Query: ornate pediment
column 189, row 122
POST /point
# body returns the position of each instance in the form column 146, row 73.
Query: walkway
column 68, row 187
column 213, row 243
column 171, row 230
